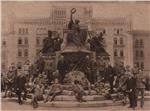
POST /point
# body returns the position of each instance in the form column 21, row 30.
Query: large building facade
column 26, row 39
column 141, row 49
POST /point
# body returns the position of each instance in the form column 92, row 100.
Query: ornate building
column 141, row 52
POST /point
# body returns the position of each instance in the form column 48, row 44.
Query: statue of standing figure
column 75, row 36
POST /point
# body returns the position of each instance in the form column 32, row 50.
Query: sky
column 138, row 11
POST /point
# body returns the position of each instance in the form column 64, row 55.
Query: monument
column 76, row 53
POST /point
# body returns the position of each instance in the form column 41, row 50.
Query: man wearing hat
column 20, row 85
column 131, row 90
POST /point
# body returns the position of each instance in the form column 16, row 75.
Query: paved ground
column 11, row 104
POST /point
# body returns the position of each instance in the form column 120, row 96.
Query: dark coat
column 20, row 83
column 131, row 84
column 62, row 66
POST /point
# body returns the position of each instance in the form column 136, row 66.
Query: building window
column 4, row 43
column 19, row 41
column 115, row 41
column 19, row 53
column 137, row 53
column 118, row 31
column 121, row 41
column 115, row 52
column 26, row 41
column 141, row 54
column 121, row 53
column 136, row 42
column 26, row 52
column 141, row 42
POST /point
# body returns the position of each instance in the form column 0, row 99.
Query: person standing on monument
column 62, row 67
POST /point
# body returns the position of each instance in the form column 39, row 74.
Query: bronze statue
column 50, row 44
column 76, row 35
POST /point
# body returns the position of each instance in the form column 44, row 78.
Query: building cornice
column 140, row 32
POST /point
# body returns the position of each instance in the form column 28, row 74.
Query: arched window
column 115, row 41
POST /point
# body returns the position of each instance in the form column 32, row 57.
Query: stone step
column 68, row 104
column 72, row 98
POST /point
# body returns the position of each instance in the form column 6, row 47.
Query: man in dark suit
column 131, row 90
column 62, row 67
column 20, row 85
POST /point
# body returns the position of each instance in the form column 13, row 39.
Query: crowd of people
column 105, row 79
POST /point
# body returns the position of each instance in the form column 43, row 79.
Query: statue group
column 76, row 59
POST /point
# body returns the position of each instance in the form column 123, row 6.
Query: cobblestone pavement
column 11, row 104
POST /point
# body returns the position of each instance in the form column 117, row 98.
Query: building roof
column 112, row 20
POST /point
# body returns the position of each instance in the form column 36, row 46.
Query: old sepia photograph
column 75, row 55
